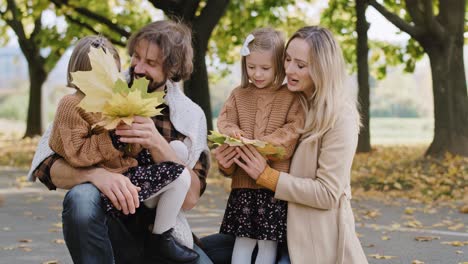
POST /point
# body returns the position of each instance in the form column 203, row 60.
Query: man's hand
column 118, row 188
column 115, row 186
column 142, row 131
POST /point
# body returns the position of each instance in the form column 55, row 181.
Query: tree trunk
column 450, row 99
column 363, row 75
column 197, row 88
column 37, row 77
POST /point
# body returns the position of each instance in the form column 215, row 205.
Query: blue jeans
column 85, row 226
column 219, row 249
column 93, row 237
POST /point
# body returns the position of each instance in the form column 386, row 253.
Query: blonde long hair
column 328, row 73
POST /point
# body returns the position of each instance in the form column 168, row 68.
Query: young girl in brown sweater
column 75, row 138
column 263, row 109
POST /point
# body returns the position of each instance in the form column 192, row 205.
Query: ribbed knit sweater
column 271, row 115
column 74, row 140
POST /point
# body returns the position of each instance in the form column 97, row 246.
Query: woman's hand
column 225, row 155
column 142, row 131
column 251, row 161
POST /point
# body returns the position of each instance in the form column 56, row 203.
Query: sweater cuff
column 106, row 147
column 269, row 178
column 227, row 171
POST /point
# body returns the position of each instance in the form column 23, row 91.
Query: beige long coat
column 320, row 219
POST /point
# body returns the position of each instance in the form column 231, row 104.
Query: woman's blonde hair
column 328, row 74
column 79, row 60
column 175, row 41
column 266, row 39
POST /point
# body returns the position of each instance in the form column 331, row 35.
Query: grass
column 391, row 131
column 388, row 171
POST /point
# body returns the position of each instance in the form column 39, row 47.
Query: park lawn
column 388, row 171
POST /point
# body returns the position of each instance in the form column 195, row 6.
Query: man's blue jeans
column 92, row 237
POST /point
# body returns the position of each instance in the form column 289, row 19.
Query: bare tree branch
column 432, row 24
column 89, row 27
column 415, row 10
column 37, row 27
column 413, row 31
column 210, row 16
column 172, row 8
column 94, row 16
column 189, row 10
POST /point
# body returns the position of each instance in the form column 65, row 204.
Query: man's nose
column 139, row 68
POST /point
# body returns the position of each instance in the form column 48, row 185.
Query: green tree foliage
column 42, row 45
column 437, row 29
column 244, row 16
column 43, row 41
column 341, row 18
column 214, row 35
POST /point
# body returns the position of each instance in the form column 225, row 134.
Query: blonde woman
column 320, row 219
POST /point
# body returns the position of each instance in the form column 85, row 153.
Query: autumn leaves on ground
column 434, row 193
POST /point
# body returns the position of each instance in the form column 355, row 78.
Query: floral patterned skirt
column 256, row 214
column 149, row 176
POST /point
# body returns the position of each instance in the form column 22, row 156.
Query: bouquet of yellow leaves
column 107, row 92
column 266, row 149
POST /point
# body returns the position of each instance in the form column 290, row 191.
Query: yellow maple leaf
column 266, row 149
column 106, row 92
column 97, row 84
column 378, row 256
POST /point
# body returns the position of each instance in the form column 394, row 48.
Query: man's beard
column 152, row 86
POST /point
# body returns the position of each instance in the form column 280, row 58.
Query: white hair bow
column 245, row 47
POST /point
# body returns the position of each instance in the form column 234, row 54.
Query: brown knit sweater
column 74, row 140
column 264, row 114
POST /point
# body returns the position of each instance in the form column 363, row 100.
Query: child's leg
column 171, row 198
column 266, row 252
column 243, row 248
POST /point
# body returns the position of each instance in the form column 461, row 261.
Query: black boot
column 164, row 248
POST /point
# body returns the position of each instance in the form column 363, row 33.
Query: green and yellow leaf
column 107, row 93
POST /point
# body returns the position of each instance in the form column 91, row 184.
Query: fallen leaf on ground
column 59, row 241
column 378, row 256
column 414, row 223
column 464, row 209
column 417, row 262
column 409, row 210
column 426, row 238
column 372, row 214
column 59, row 224
column 26, row 249
column 385, row 238
column 456, row 227
column 459, row 252
column 455, row 243
column 50, row 262
column 25, row 240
